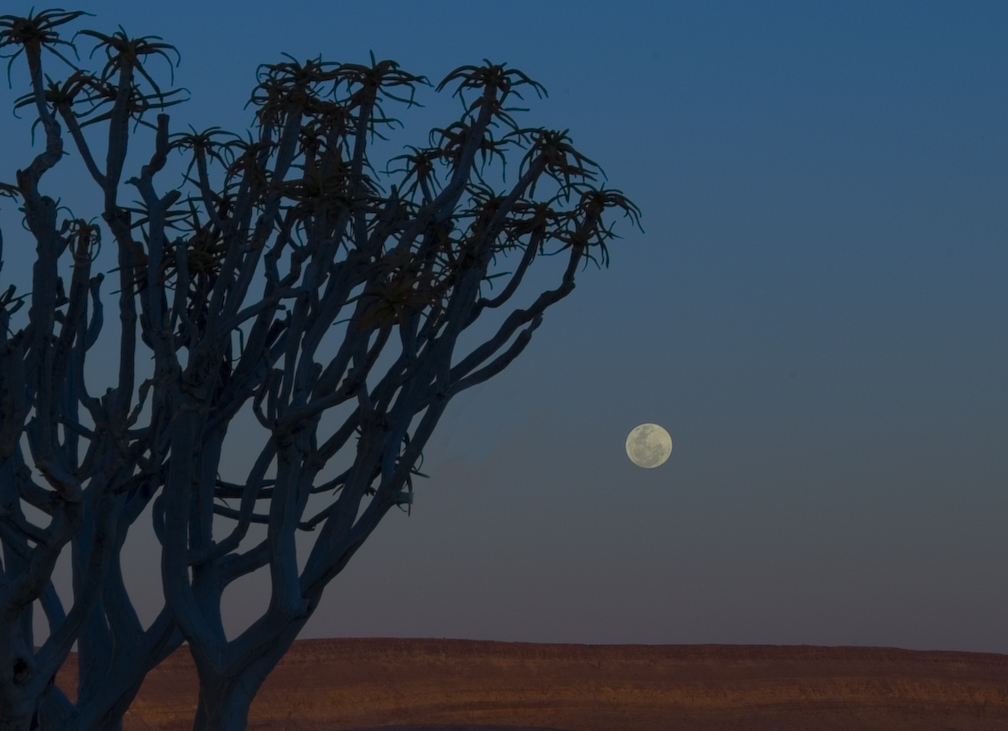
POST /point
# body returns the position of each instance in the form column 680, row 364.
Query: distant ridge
column 342, row 684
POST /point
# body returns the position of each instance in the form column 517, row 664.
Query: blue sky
column 817, row 313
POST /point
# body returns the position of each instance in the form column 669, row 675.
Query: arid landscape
column 407, row 684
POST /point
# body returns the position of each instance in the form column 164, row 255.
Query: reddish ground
column 333, row 685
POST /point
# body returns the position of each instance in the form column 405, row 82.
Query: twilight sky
column 817, row 313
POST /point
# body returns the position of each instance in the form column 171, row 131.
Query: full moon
column 648, row 445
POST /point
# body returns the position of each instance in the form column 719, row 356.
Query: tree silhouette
column 297, row 296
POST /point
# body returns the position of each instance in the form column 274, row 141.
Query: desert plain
column 440, row 684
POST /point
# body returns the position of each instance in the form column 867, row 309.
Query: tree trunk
column 18, row 693
column 226, row 696
column 223, row 705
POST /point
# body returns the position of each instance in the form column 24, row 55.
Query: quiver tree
column 342, row 318
column 89, row 474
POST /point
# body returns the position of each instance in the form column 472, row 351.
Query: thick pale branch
column 251, row 492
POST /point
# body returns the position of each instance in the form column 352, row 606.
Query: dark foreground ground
column 458, row 685
column 454, row 727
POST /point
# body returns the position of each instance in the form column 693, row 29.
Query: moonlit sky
column 817, row 313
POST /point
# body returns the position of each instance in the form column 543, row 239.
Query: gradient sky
column 817, row 313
